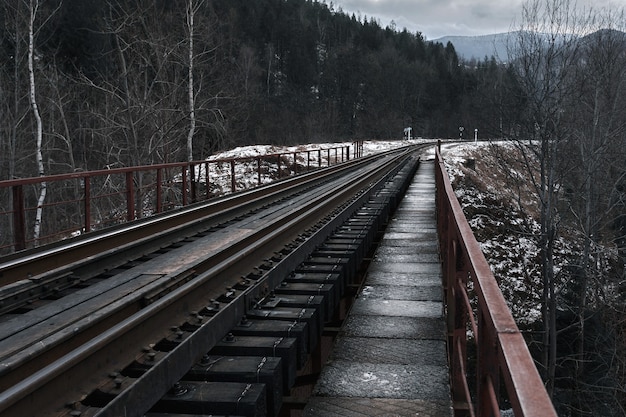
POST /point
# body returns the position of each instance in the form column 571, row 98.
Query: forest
column 98, row 84
column 122, row 83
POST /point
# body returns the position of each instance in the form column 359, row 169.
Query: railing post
column 192, row 183
column 233, row 182
column 258, row 170
column 87, row 203
column 207, row 180
column 278, row 164
column 487, row 372
column 184, row 184
column 295, row 163
column 457, row 325
column 19, row 218
column 159, row 190
column 319, row 158
column 130, row 197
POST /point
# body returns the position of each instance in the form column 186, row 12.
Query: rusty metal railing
column 502, row 356
column 81, row 202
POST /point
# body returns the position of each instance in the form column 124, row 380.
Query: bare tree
column 15, row 107
column 569, row 68
column 192, row 9
column 544, row 62
column 594, row 201
column 34, row 7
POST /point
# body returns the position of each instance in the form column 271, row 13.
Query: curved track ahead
column 106, row 299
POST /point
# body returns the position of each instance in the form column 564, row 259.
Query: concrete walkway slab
column 390, row 357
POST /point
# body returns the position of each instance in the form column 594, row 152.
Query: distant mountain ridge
column 479, row 47
column 498, row 45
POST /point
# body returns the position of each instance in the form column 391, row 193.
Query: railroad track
column 108, row 324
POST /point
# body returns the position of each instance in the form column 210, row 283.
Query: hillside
column 479, row 47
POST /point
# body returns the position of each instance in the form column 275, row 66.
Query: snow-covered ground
column 500, row 203
column 246, row 172
column 501, row 215
column 369, row 147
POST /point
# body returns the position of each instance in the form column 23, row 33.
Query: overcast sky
column 437, row 18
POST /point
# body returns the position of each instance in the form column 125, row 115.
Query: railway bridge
column 341, row 291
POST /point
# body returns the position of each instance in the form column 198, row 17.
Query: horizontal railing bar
column 124, row 170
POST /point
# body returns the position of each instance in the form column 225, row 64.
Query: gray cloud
column 436, row 18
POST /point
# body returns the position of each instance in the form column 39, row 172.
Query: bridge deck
column 390, row 358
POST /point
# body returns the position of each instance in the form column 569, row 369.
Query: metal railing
column 81, row 202
column 482, row 316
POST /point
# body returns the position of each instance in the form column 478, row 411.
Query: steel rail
column 502, row 352
column 57, row 259
column 87, row 362
column 59, row 329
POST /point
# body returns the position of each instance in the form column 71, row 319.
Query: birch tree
column 34, row 7
column 192, row 9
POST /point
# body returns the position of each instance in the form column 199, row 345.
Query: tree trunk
column 191, row 10
column 34, row 6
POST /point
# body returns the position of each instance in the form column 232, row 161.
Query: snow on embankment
column 498, row 199
column 369, row 147
column 499, row 208
column 246, row 172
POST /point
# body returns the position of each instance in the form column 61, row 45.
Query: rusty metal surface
column 500, row 345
